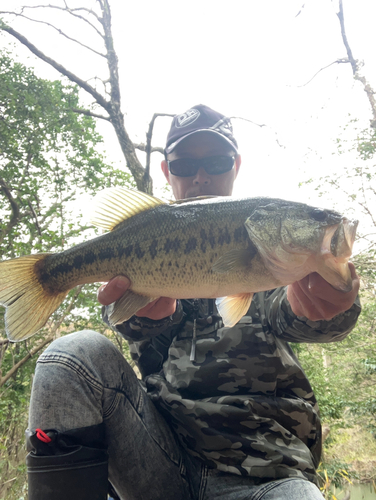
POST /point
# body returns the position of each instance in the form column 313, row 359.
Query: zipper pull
column 192, row 357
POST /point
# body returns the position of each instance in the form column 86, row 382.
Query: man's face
column 201, row 145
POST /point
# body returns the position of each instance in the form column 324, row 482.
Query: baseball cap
column 200, row 118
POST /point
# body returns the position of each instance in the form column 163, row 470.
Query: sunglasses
column 213, row 165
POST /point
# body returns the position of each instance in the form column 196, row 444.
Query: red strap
column 42, row 436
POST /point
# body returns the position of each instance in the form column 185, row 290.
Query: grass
column 356, row 446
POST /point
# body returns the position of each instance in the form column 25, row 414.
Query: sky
column 251, row 59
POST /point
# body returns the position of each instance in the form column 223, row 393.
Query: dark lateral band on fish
column 217, row 247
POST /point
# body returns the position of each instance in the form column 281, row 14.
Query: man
column 221, row 412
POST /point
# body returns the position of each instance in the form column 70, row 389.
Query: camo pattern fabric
column 243, row 404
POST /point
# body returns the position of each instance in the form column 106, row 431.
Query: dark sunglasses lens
column 184, row 167
column 215, row 165
column 219, row 165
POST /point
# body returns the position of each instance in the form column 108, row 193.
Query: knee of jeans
column 88, row 346
column 89, row 340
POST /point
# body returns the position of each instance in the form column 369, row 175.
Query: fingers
column 316, row 299
column 304, row 304
column 158, row 309
column 113, row 290
column 317, row 286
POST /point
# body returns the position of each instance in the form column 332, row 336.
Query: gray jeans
column 82, row 380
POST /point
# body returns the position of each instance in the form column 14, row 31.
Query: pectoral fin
column 233, row 307
column 127, row 306
column 233, row 260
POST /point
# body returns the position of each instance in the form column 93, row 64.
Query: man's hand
column 115, row 288
column 316, row 299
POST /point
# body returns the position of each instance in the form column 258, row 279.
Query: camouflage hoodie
column 237, row 397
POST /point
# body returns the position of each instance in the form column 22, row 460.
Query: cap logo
column 187, row 118
column 224, row 127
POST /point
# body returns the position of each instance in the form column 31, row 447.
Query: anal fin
column 233, row 307
column 125, row 307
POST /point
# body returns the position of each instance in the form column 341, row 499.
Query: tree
column 343, row 375
column 108, row 98
column 48, row 161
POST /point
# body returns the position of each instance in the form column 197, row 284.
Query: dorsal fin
column 114, row 205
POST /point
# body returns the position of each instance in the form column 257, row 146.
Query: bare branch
column 365, row 204
column 90, row 113
column 98, row 97
column 59, row 31
column 69, row 11
column 353, row 62
column 355, row 66
column 83, row 9
column 302, row 7
column 111, row 105
column 149, row 135
column 142, row 147
column 338, row 61
column 46, row 341
column 246, row 119
column 18, row 365
column 35, row 217
column 68, row 308
column 101, row 4
column 258, row 125
column 117, row 118
column 14, row 208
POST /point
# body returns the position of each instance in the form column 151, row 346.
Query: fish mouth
column 335, row 252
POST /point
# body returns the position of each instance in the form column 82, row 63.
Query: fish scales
column 178, row 244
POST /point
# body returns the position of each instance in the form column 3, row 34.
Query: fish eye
column 319, row 214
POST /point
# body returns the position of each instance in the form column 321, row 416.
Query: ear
column 165, row 170
column 238, row 162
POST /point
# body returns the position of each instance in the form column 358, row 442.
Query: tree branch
column 112, row 105
column 57, row 29
column 353, row 62
column 46, row 341
column 258, row 125
column 69, row 11
column 338, row 61
column 247, row 120
column 98, row 97
column 35, row 217
column 68, row 308
column 18, row 365
column 142, row 147
column 355, row 66
column 90, row 113
column 14, row 208
column 149, row 135
column 114, row 110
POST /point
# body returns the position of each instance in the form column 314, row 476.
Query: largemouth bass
column 217, row 247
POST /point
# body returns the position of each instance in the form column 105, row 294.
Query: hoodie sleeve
column 137, row 329
column 286, row 325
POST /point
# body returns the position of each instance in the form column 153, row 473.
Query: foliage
column 93, row 20
column 48, row 162
column 334, row 474
column 343, row 374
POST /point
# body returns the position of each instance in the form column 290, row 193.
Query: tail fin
column 28, row 305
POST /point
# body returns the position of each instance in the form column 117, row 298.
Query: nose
column 201, row 177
